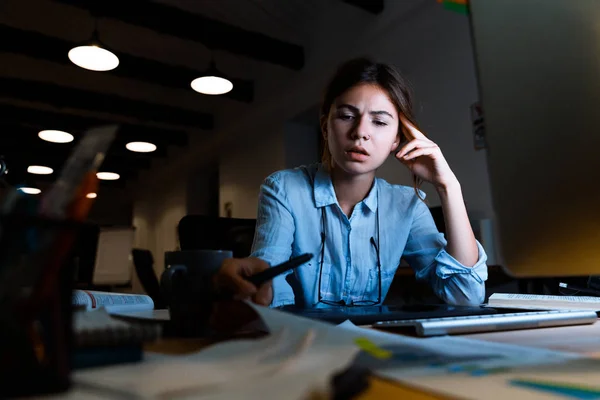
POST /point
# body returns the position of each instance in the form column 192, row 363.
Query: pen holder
column 36, row 283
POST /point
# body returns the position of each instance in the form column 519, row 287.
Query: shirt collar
column 323, row 188
column 324, row 192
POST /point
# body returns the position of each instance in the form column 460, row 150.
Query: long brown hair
column 360, row 71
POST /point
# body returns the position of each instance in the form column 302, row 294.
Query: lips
column 357, row 153
column 358, row 150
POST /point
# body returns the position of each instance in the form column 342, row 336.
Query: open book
column 112, row 302
column 544, row 302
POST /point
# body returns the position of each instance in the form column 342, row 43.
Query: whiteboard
column 113, row 257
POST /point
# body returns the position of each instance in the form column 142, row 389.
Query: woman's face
column 362, row 129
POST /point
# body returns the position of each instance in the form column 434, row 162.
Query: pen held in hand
column 270, row 273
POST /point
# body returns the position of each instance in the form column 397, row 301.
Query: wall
column 430, row 45
column 301, row 143
column 155, row 219
column 245, row 165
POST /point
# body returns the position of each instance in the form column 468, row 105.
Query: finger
column 264, row 296
column 255, row 265
column 413, row 144
column 243, row 287
column 411, row 131
column 424, row 151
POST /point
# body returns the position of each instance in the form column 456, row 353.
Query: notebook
column 97, row 328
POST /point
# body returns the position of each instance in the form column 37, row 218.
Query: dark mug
column 186, row 286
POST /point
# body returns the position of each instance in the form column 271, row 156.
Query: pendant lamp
column 212, row 82
column 93, row 55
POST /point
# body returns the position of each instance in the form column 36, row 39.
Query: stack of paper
column 300, row 356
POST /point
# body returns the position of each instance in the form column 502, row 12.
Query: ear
column 323, row 124
column 396, row 143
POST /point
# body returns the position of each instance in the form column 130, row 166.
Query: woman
column 359, row 226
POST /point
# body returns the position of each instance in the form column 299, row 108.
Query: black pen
column 270, row 273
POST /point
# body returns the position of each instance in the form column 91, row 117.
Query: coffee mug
column 186, row 287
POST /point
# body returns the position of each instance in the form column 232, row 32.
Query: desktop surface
column 367, row 315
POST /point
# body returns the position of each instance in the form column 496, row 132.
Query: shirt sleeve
column 451, row 281
column 274, row 236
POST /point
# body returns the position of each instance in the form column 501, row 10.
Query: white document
column 474, row 369
column 544, row 302
column 299, row 356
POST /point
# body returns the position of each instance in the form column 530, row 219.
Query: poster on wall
column 477, row 122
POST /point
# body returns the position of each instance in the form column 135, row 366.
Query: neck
column 351, row 189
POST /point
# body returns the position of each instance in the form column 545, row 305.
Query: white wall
column 432, row 48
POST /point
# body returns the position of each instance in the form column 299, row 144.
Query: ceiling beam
column 371, row 6
column 54, row 156
column 42, row 47
column 211, row 33
column 79, row 99
column 15, row 117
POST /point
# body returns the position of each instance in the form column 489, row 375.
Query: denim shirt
column 290, row 221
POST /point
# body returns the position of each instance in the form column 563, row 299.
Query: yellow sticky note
column 369, row 347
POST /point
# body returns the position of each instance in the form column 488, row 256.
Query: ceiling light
column 91, row 195
column 212, row 82
column 30, row 190
column 93, row 55
column 39, row 170
column 55, row 136
column 141, row 147
column 107, row 176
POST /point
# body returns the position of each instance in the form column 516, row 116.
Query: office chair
column 144, row 267
column 200, row 232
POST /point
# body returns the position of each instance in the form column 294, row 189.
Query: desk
column 583, row 339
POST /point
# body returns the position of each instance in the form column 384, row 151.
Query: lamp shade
column 212, row 82
column 93, row 57
column 55, row 136
column 107, row 176
column 30, row 190
column 141, row 147
column 39, row 170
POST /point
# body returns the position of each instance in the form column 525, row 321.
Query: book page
column 113, row 302
column 80, row 298
column 546, row 298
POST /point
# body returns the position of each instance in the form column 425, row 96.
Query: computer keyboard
column 492, row 322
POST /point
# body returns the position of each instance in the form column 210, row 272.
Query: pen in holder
column 35, row 307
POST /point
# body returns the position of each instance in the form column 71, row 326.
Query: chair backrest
column 143, row 263
column 200, row 232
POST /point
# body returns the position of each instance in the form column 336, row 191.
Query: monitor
column 538, row 67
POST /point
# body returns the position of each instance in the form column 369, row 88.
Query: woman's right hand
column 230, row 278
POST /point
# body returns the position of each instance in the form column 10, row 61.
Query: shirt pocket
column 331, row 287
column 372, row 288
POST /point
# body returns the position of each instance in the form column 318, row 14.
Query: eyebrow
column 354, row 109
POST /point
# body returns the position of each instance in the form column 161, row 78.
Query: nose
column 361, row 129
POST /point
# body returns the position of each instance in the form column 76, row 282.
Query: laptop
column 368, row 315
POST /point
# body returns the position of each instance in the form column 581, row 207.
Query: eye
column 379, row 123
column 346, row 117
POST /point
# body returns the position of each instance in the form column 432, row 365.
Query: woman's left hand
column 424, row 158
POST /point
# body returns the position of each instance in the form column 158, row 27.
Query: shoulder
column 400, row 195
column 294, row 178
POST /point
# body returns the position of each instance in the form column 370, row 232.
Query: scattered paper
column 300, row 356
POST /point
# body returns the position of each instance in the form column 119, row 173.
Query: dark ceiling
column 42, row 89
